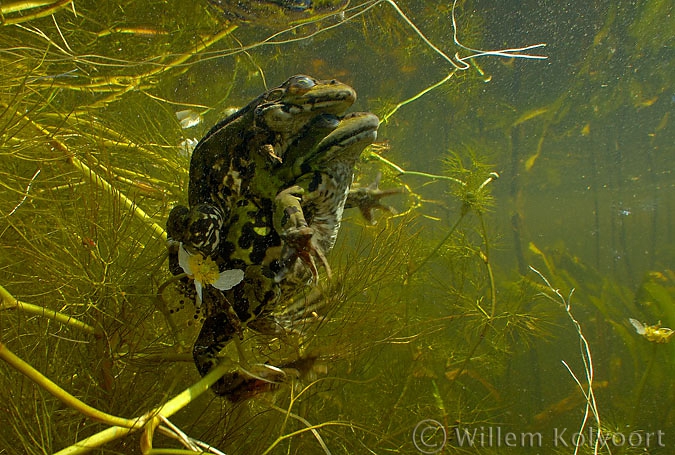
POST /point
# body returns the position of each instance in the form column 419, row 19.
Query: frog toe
column 260, row 378
column 368, row 199
column 300, row 245
column 241, row 385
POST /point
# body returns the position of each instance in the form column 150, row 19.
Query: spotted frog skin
column 275, row 273
column 268, row 186
column 308, row 213
column 250, row 142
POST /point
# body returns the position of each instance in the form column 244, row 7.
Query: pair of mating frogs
column 267, row 189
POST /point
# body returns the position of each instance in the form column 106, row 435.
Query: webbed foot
column 367, row 199
column 238, row 386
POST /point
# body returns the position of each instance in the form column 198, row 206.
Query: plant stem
column 167, row 410
column 438, row 247
column 44, row 382
column 25, row 5
column 120, row 426
column 493, row 304
column 8, row 302
column 389, row 114
column 402, row 171
column 87, row 172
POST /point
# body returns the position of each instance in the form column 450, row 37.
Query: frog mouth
column 354, row 128
column 335, row 103
column 355, row 131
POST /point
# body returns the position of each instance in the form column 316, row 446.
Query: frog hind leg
column 216, row 333
column 267, row 378
column 241, row 386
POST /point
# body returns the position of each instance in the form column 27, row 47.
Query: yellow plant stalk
column 87, row 172
column 9, row 302
column 21, row 6
column 44, row 382
column 166, row 410
column 120, row 426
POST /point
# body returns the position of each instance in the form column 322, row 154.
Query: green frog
column 248, row 143
column 308, row 213
column 267, row 189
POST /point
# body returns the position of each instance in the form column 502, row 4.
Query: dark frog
column 309, row 209
column 267, row 189
column 248, row 143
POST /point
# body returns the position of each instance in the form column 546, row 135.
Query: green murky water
column 438, row 337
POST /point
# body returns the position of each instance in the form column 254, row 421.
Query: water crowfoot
column 205, row 271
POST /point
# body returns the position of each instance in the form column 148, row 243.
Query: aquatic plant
column 421, row 319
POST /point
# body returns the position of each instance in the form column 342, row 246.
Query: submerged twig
column 462, row 65
column 25, row 195
column 459, row 63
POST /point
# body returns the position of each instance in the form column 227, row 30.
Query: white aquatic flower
column 654, row 333
column 205, row 271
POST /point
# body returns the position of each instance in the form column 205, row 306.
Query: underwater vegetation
column 524, row 280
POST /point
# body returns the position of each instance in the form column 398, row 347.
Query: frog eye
column 300, row 85
column 177, row 223
column 275, row 95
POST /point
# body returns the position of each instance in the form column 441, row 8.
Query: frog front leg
column 297, row 236
column 198, row 228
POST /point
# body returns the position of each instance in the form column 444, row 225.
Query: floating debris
column 653, row 333
column 188, row 118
